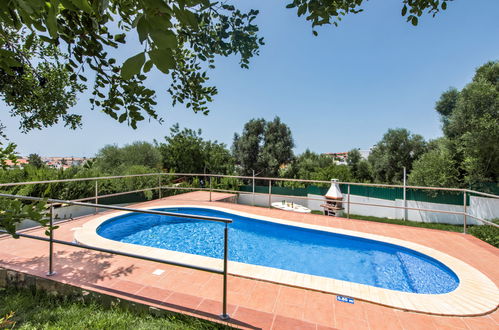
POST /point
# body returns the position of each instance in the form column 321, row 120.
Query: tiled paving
column 252, row 304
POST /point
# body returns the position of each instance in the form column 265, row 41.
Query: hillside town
column 53, row 162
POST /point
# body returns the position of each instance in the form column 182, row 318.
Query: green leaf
column 164, row 39
column 68, row 4
column 158, row 4
column 404, row 10
column 302, row 9
column 186, row 17
column 52, row 18
column 29, row 41
column 83, row 5
column 147, row 67
column 47, row 39
column 120, row 38
column 132, row 66
column 444, row 5
column 191, row 18
column 414, row 20
column 142, row 28
column 27, row 8
column 122, row 117
column 162, row 59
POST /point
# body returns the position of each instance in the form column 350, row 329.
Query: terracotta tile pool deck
column 252, row 303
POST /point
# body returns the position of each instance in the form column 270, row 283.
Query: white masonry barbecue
column 334, row 200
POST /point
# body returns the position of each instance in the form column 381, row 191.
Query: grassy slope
column 39, row 311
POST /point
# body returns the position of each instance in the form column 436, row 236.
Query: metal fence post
column 270, row 193
column 348, row 203
column 96, row 194
column 51, row 243
column 225, row 315
column 253, row 187
column 405, row 194
column 159, row 186
column 210, row 188
column 465, row 210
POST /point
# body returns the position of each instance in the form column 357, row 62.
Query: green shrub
column 489, row 234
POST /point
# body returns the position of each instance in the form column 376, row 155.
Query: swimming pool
column 302, row 250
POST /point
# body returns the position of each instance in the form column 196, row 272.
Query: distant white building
column 365, row 153
column 341, row 158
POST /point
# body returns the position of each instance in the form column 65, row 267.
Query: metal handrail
column 119, row 208
column 51, row 239
column 244, row 177
column 481, row 193
column 160, row 187
column 483, row 220
column 348, row 202
column 319, row 181
column 131, row 255
column 114, row 194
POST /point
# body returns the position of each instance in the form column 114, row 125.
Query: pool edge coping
column 475, row 295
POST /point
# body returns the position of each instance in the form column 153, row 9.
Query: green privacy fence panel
column 122, row 199
column 436, row 196
column 431, row 196
column 276, row 190
column 374, row 192
column 420, row 195
column 288, row 191
column 258, row 189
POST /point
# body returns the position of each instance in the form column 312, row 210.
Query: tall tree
column 247, row 147
column 278, row 146
column 397, row 149
column 35, row 160
column 113, row 159
column 263, row 147
column 304, row 165
column 435, row 168
column 182, row 151
column 470, row 121
column 333, row 171
column 353, row 160
column 359, row 168
column 217, row 158
column 185, row 151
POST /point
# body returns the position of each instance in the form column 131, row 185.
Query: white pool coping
column 476, row 294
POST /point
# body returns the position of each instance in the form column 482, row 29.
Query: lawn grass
column 440, row 226
column 37, row 310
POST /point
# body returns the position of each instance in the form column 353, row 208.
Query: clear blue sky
column 338, row 91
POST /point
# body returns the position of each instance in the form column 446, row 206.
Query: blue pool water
column 264, row 243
